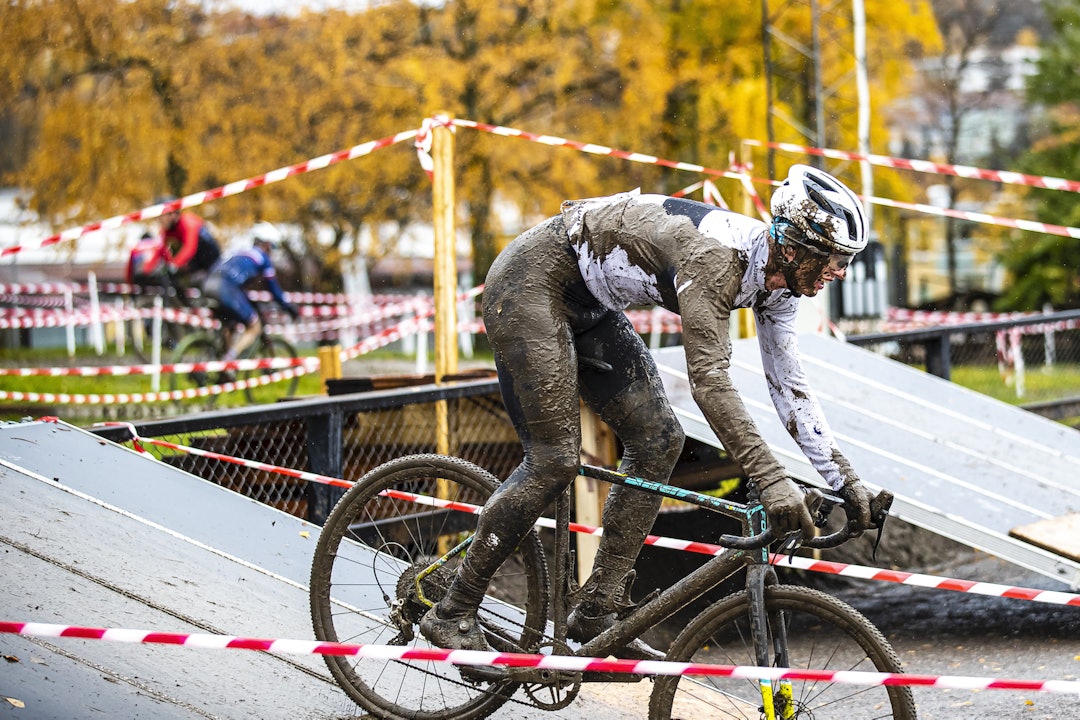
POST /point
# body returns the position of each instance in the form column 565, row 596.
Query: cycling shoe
column 462, row 633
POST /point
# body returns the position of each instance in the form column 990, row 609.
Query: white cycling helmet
column 823, row 208
column 267, row 233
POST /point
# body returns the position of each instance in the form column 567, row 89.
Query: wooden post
column 329, row 364
column 597, row 448
column 446, row 357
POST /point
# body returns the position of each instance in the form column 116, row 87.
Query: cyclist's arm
column 272, row 284
column 709, row 281
column 795, row 402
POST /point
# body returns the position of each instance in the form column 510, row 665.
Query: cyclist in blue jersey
column 227, row 278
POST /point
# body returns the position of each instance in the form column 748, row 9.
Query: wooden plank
column 1059, row 535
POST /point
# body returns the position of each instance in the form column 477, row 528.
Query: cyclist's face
column 813, row 271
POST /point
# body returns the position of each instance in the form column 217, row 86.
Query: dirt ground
column 942, row 632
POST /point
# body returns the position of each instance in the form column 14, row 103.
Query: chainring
column 560, row 689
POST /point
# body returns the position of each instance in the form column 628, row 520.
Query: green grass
column 1040, row 383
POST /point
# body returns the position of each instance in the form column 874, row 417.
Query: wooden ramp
column 961, row 464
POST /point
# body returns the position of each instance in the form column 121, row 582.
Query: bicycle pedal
column 611, row 677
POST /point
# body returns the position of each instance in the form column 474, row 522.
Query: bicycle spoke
column 370, row 552
column 806, row 629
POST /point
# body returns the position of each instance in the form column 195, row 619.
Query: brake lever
column 879, row 513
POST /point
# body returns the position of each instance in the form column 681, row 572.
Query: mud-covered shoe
column 461, row 633
column 583, row 627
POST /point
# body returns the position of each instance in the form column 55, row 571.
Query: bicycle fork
column 777, row 699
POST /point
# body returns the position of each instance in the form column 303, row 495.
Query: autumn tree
column 98, row 87
column 1043, row 267
column 126, row 100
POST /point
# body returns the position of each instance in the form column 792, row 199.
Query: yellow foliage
column 129, row 100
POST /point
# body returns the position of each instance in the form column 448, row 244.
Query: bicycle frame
column 760, row 574
column 694, row 585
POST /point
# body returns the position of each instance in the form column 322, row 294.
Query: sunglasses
column 786, row 233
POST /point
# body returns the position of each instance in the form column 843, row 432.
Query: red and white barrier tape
column 569, row 663
column 234, row 188
column 164, row 396
column 209, row 366
column 943, row 317
column 925, row 166
column 593, row 149
column 831, row 568
column 62, row 318
column 423, row 135
column 111, row 288
column 982, row 218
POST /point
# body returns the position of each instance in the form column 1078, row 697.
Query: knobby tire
column 269, row 347
column 193, row 349
column 369, row 542
column 822, row 633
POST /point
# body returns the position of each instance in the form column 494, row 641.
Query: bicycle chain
column 532, row 702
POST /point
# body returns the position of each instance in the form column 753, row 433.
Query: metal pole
column 819, row 93
column 862, row 84
column 770, row 134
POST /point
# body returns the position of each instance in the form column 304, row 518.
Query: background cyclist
column 226, row 282
column 190, row 246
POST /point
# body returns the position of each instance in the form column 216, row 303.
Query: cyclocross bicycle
column 173, row 297
column 210, row 345
column 391, row 546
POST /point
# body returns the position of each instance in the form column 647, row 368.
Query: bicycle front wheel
column 372, row 549
column 815, row 630
column 196, row 348
column 266, row 347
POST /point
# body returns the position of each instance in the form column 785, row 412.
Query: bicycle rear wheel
column 363, row 578
column 266, row 347
column 822, row 633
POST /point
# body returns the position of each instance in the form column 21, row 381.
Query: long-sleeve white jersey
column 702, row 262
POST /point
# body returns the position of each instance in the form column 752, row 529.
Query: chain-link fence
column 1021, row 361
column 336, row 437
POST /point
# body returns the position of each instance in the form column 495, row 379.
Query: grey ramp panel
column 73, row 562
column 94, row 534
column 961, row 464
column 184, row 503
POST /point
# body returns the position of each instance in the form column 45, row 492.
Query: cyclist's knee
column 554, row 461
column 648, row 429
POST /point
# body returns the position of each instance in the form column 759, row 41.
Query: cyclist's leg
column 234, row 306
column 529, row 330
column 630, row 398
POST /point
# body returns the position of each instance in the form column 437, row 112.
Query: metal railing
column 1035, row 359
column 340, row 437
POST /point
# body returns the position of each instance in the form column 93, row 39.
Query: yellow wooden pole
column 597, row 448
column 329, row 364
column 446, row 356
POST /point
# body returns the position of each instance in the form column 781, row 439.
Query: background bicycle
column 166, row 295
column 390, row 547
column 210, row 345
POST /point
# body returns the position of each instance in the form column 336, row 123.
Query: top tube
column 739, row 511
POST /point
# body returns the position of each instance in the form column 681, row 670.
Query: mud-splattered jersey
column 702, row 262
